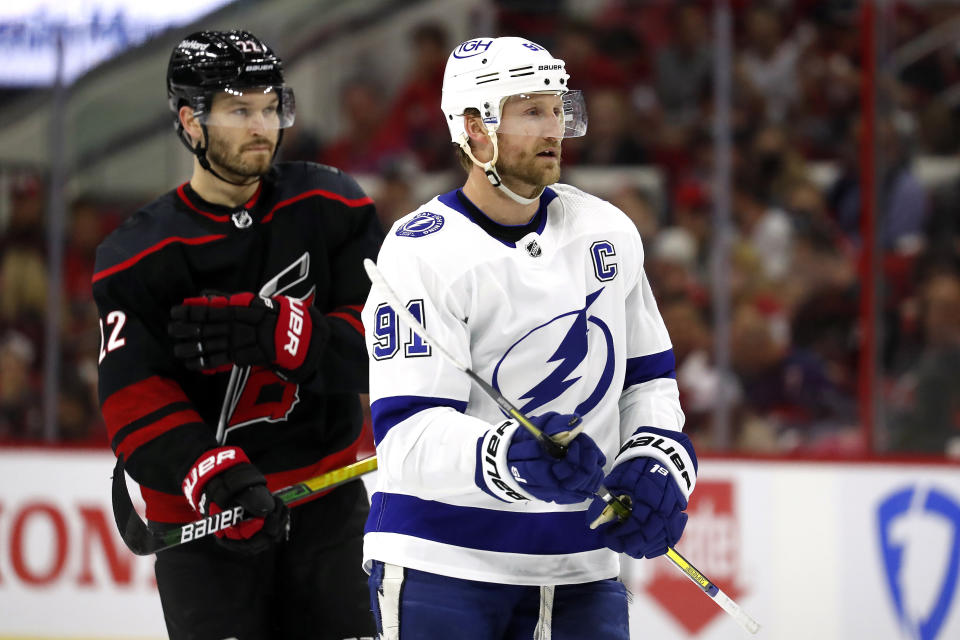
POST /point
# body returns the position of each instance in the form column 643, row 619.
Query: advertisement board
column 831, row 551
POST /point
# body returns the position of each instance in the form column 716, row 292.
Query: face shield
column 270, row 107
column 543, row 115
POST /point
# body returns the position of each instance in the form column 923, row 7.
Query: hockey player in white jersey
column 475, row 532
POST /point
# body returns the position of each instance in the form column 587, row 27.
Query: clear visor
column 271, row 107
column 543, row 115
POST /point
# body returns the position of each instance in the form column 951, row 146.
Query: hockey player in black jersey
column 252, row 271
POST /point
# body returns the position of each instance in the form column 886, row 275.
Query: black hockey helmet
column 208, row 62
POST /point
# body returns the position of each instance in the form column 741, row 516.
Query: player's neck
column 496, row 204
column 216, row 191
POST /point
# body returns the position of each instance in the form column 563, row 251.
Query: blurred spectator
column 773, row 164
column 589, row 68
column 767, row 230
column 768, row 61
column 299, row 143
column 19, row 397
column 417, row 103
column 611, row 140
column 395, row 196
column 25, row 226
column 929, row 417
column 639, row 207
column 23, row 292
column 902, row 206
column 701, row 385
column 787, row 389
column 685, row 65
column 370, row 136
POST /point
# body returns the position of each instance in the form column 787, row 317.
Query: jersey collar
column 505, row 233
column 216, row 212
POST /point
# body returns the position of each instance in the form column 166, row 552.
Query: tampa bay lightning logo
column 422, row 224
column 575, row 334
column 922, row 580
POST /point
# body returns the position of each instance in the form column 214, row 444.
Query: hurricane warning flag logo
column 921, row 578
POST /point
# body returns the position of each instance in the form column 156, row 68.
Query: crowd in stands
column 796, row 270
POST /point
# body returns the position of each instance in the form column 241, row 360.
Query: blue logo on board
column 922, row 580
column 573, row 336
column 422, row 224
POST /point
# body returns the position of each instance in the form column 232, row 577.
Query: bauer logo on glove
column 213, row 332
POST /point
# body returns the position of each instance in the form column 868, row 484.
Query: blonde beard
column 524, row 170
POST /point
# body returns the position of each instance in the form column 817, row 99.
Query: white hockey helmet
column 483, row 72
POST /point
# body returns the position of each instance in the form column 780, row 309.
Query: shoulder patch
column 422, row 224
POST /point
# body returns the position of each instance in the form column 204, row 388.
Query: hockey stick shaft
column 226, row 409
column 551, row 446
column 724, row 601
column 142, row 541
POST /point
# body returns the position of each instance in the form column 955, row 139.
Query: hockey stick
column 226, row 409
column 553, row 448
column 143, row 541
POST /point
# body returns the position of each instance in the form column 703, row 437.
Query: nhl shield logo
column 422, row 224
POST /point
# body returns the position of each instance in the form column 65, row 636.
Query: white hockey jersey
column 561, row 320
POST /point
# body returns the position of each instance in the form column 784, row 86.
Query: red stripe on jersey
column 249, row 204
column 354, row 322
column 350, row 202
column 167, row 507
column 174, row 508
column 160, row 245
column 155, row 429
column 139, row 399
column 342, row 458
column 212, row 216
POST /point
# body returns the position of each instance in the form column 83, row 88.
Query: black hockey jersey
column 303, row 234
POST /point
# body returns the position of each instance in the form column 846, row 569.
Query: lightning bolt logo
column 571, row 351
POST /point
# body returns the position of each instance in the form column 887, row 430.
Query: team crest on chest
column 422, row 224
column 569, row 359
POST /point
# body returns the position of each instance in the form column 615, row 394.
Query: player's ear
column 477, row 132
column 190, row 123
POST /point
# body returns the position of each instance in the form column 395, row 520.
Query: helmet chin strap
column 491, row 172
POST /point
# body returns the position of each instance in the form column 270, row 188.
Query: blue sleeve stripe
column 647, row 368
column 485, row 529
column 392, row 410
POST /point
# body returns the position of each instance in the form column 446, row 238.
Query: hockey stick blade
column 554, row 448
column 143, row 541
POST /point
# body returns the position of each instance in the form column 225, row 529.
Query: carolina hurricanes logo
column 261, row 395
column 571, row 338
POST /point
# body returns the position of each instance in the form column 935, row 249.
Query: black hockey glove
column 212, row 332
column 222, row 479
column 655, row 472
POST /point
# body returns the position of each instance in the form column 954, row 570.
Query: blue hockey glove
column 655, row 472
column 512, row 466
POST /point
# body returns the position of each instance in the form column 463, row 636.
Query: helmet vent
column 521, row 71
column 488, row 77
